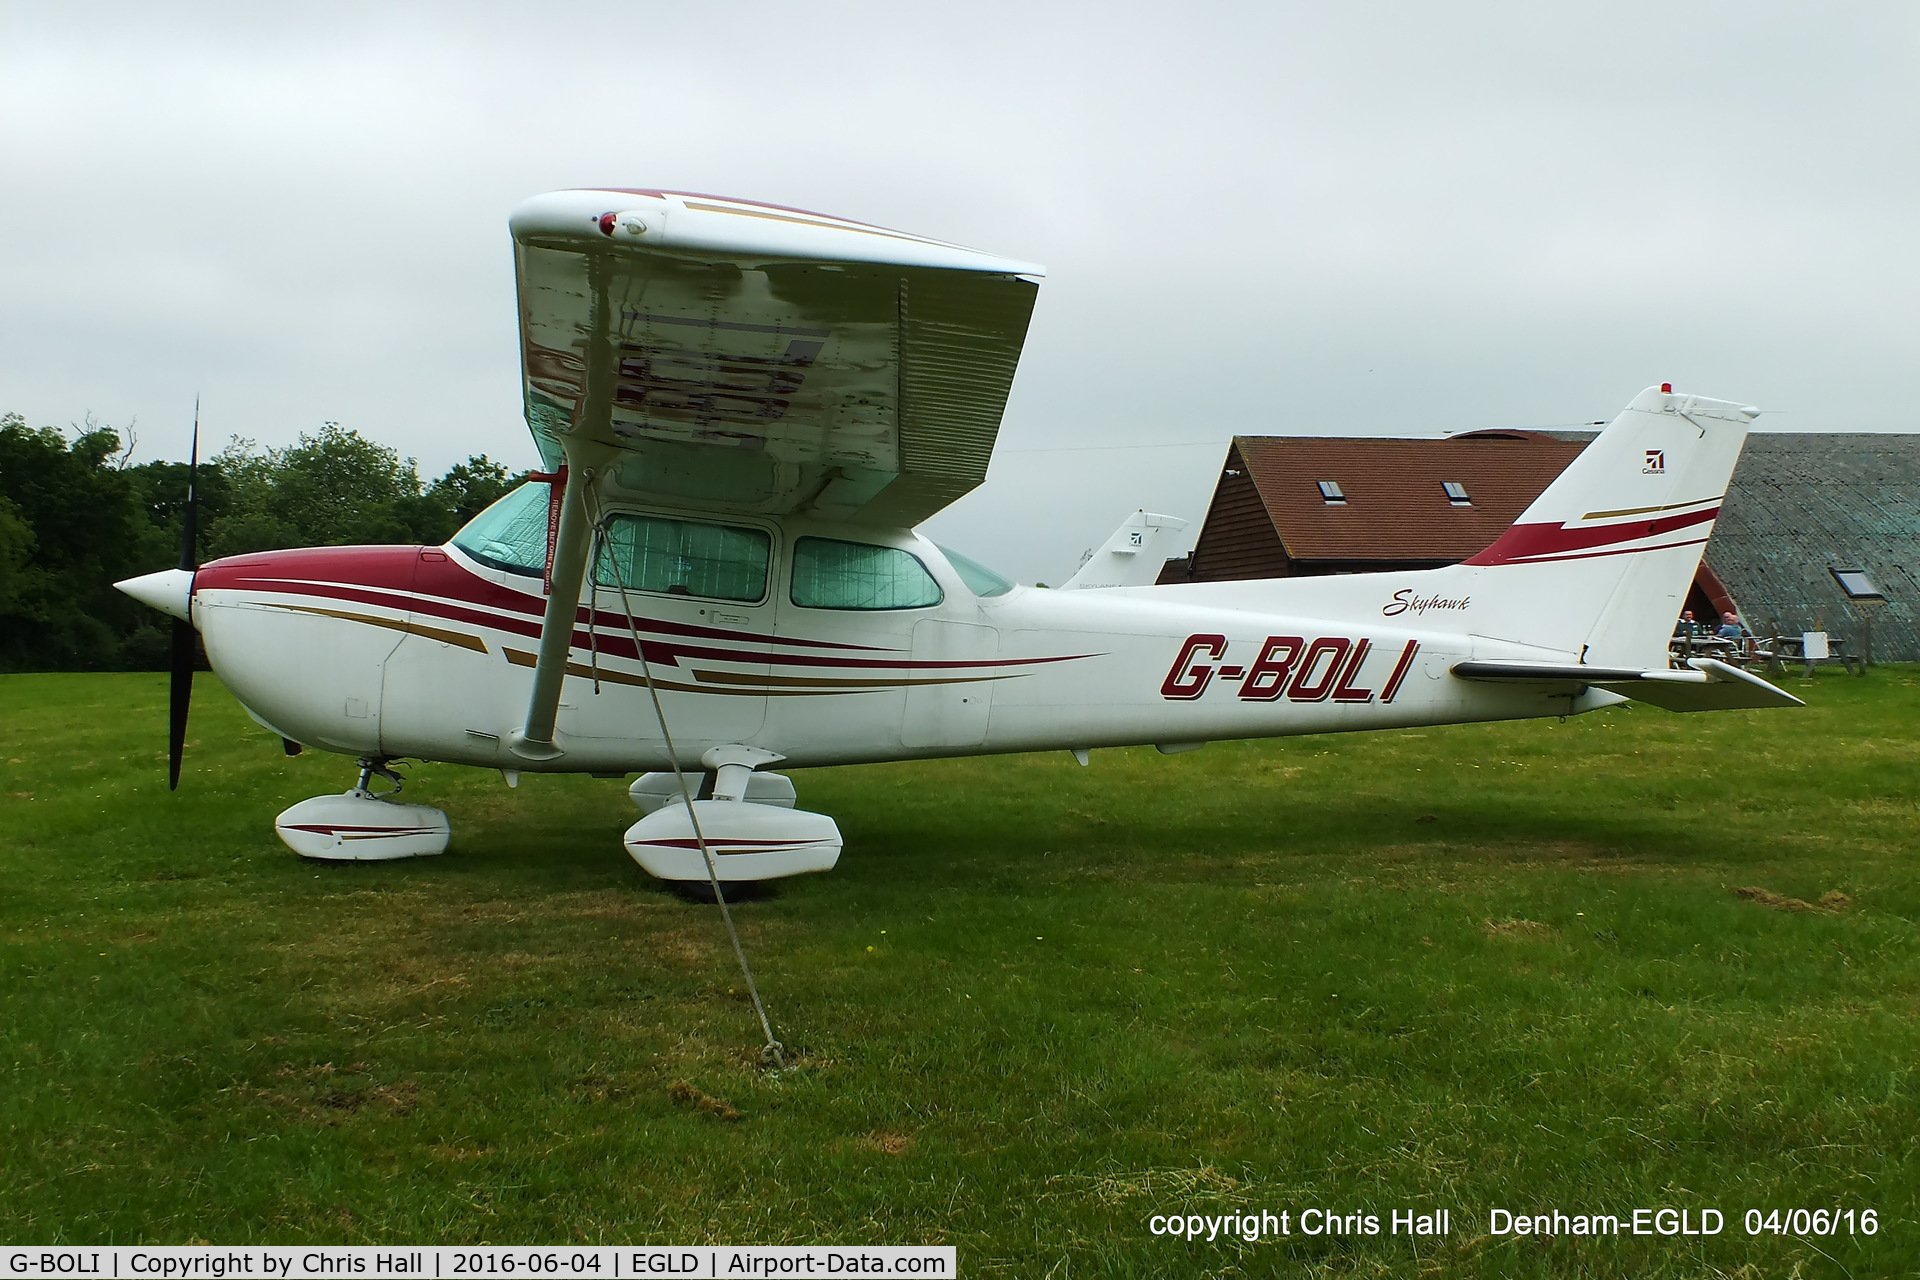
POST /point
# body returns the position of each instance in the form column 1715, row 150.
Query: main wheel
column 732, row 890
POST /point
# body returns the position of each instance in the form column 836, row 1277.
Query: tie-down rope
column 773, row 1051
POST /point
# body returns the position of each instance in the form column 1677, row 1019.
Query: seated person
column 1730, row 628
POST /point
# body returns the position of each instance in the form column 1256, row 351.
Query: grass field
column 1484, row 967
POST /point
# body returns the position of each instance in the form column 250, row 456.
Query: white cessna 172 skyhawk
column 743, row 411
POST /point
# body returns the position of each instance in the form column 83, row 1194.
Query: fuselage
column 428, row 652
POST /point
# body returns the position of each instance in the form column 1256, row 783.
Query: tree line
column 78, row 514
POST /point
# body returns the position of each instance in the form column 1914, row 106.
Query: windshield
column 980, row 580
column 512, row 533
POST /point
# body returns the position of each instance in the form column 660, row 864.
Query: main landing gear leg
column 372, row 767
column 363, row 825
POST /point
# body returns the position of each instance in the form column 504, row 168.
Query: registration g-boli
column 743, row 411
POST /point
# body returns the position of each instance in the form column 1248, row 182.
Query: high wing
column 744, row 357
column 1710, row 685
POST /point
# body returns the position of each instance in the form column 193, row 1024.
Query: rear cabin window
column 684, row 558
column 512, row 533
column 829, row 574
column 980, row 580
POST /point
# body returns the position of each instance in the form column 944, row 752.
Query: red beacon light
column 606, row 221
column 1666, row 388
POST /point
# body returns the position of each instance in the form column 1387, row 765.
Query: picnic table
column 1772, row 652
column 1739, row 652
column 1813, row 647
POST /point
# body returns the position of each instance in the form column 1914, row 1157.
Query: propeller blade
column 180, row 683
column 179, row 694
column 189, row 552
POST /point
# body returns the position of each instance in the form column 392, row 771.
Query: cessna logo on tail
column 1656, row 463
column 1287, row 666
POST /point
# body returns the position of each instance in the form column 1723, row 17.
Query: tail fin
column 1599, row 566
column 1126, row 559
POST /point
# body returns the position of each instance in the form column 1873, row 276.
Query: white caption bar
column 480, row 1262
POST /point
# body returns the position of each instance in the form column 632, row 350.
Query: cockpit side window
column 684, row 558
column 648, row 553
column 512, row 533
column 830, row 574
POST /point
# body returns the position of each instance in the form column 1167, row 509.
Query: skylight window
column 1857, row 584
column 1457, row 493
column 1331, row 491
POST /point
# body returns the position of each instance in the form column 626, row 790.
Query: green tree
column 251, row 521
column 16, row 560
column 75, row 517
column 338, row 487
column 160, row 492
column 472, row 486
column 332, row 487
column 335, row 487
column 82, row 533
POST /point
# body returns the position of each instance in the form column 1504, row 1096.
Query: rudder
column 1599, row 565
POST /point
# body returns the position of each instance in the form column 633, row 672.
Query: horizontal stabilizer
column 1710, row 685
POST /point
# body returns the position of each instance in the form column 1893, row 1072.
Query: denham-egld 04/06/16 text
column 1254, row 1227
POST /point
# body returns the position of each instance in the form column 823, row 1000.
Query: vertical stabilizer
column 1126, row 559
column 1598, row 567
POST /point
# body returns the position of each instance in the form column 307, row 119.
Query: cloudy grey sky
column 1261, row 218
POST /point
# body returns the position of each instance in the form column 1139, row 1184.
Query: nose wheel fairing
column 357, row 827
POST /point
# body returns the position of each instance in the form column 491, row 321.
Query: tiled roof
column 1802, row 505
column 1396, row 509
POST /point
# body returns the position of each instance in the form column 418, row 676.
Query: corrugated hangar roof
column 1396, row 506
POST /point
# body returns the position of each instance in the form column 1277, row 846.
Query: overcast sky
column 1341, row 219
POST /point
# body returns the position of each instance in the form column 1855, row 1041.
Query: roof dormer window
column 1457, row 495
column 1857, row 584
column 1332, row 493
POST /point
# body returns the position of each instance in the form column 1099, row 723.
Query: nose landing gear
column 363, row 825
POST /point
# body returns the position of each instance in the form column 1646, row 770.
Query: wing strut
column 571, row 541
column 535, row 741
